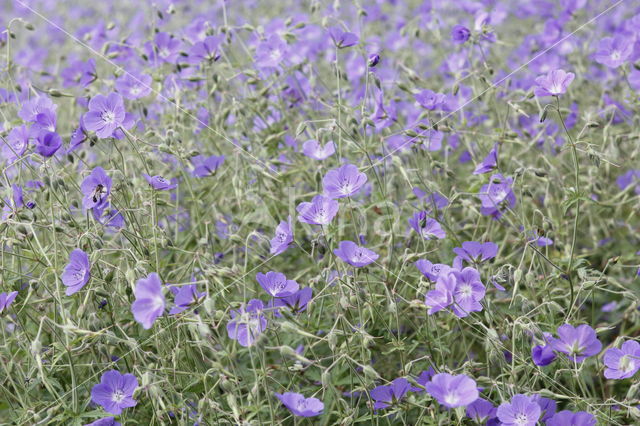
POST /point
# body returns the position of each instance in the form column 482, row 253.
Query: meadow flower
column 497, row 196
column 426, row 227
column 247, row 323
column 354, row 254
column 77, row 272
column 624, row 362
column 149, row 303
column 521, row 411
column 453, row 391
column 387, row 395
column 296, row 303
column 186, row 296
column 569, row 418
column 341, row 38
column 578, row 343
column 48, row 143
column 432, row 270
column 105, row 421
column 489, row 163
column 475, row 252
column 164, row 48
column 631, row 177
column 320, row 211
column 115, row 391
column 133, row 85
column 6, row 299
column 468, row 292
column 79, row 73
column 313, row 149
column 106, row 114
column 16, row 142
column 373, row 60
column 481, row 411
column 206, row 166
column 95, row 189
column 36, row 106
column 547, row 407
column 429, row 99
column 343, row 182
column 299, row 405
column 460, row 34
column 159, row 183
column 207, row 50
column 283, row 238
column 614, row 51
column 442, row 296
column 271, row 53
column 543, row 355
column 276, row 284
column 554, row 83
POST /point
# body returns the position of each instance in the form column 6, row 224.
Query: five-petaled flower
column 115, row 391
column 77, row 272
column 150, row 302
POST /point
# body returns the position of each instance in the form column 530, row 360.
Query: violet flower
column 343, row 182
column 159, row 183
column 6, row 299
column 578, row 343
column 341, row 38
column 489, row 163
column 115, row 391
column 276, row 284
column 247, row 323
column 354, row 254
column 554, row 83
column 453, row 391
column 207, row 50
column 481, row 410
column 106, row 114
column 426, row 227
column 105, row 421
column 296, row 303
column 206, row 166
column 614, row 51
column 299, row 405
column 460, row 34
column 150, row 302
column 432, row 270
column 320, row 211
column 48, row 143
column 283, row 238
column 186, row 296
column 522, row 410
column 624, row 362
column 474, row 252
column 387, row 395
column 133, row 85
column 313, row 149
column 95, row 189
column 77, row 272
column 569, row 418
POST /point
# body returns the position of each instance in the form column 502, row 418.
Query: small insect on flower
column 426, row 227
column 299, row 405
column 115, row 391
column 96, row 189
column 150, row 302
column 77, row 272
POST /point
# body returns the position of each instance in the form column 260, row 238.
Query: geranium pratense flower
column 497, row 196
column 547, row 406
column 296, row 303
column 481, row 410
column 276, row 284
column 283, row 238
column 206, row 166
column 354, row 254
column 578, row 343
column 342, row 38
column 207, row 50
column 430, row 100
column 474, row 252
column 299, row 405
column 313, row 149
column 48, row 143
column 460, row 34
column 569, row 418
column 115, row 391
column 468, row 293
column 77, row 272
column 247, row 323
column 320, row 211
column 96, row 189
column 105, row 421
column 442, row 296
column 432, row 270
column 614, row 51
column 185, row 296
column 387, row 395
column 133, row 85
column 150, row 302
column 521, row 411
column 36, row 106
column 17, row 142
column 624, row 362
column 159, row 183
column 106, row 114
column 631, row 177
column 453, row 391
column 554, row 83
column 489, row 163
column 343, row 182
column 543, row 355
column 6, row 299
column 79, row 73
column 426, row 227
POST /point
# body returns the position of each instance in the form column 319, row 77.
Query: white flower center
column 451, row 398
column 108, row 117
column 118, row 396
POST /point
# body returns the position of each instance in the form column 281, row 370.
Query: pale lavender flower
column 299, row 405
column 77, row 272
column 387, row 395
column 554, row 83
column 614, row 51
column 283, row 238
column 247, row 323
column 343, row 182
column 568, row 418
column 313, row 149
column 150, row 302
column 320, row 211
column 432, row 270
column 6, row 299
column 521, row 411
column 426, row 227
column 578, row 343
column 115, row 391
column 442, row 296
column 354, row 254
column 133, row 85
column 159, row 183
column 276, row 284
column 624, row 362
column 453, row 391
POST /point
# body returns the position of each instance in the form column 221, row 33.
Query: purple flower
column 554, row 83
column 313, row 149
column 165, row 48
column 614, row 51
column 426, row 227
column 577, row 343
column 547, row 407
column 631, row 177
column 543, row 355
column 468, row 293
column 105, row 421
column 79, row 73
column 355, row 255
column 283, row 238
column 453, row 391
column 497, row 196
column 186, row 295
column 474, row 252
column 133, row 85
column 115, row 391
column 425, row 377
column 342, row 38
column 96, row 189
column 299, row 405
column 432, row 270
column 77, row 272
column 204, row 167
column 276, row 284
column 48, row 143
column 159, row 183
column 374, row 59
column 6, row 299
column 343, row 182
column 17, row 142
column 106, row 114
column 272, row 52
column 489, row 163
column 442, row 296
column 460, row 34
column 320, row 211
column 568, row 418
column 297, row 302
column 149, row 303
column 247, row 323
column 429, row 99
column 481, row 410
column 624, row 362
column 521, row 411
column 207, row 50
column 387, row 395
column 35, row 106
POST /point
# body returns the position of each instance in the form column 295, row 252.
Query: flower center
column 118, row 396
column 626, row 364
column 451, row 398
column 521, row 419
column 108, row 117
